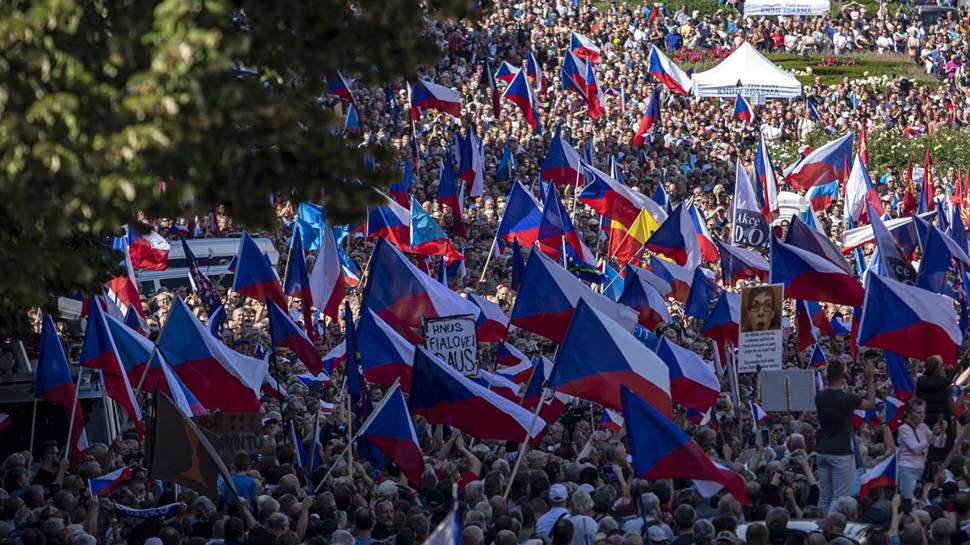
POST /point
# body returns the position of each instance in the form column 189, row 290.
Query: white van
column 213, row 255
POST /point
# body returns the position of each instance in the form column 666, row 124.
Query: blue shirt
column 674, row 41
column 245, row 485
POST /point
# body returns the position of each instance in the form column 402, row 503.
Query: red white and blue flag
column 562, row 163
column 921, row 324
column 99, row 352
column 645, row 300
column 520, row 93
column 808, row 276
column 103, row 485
column 883, row 474
column 391, row 430
column 649, row 119
column 425, row 95
column 584, row 48
column 285, row 333
column 385, row 356
column 823, row 165
column 668, row 73
column 147, row 251
column 693, row 383
column 255, row 276
column 743, row 110
column 444, row 396
column 53, row 384
column 596, row 371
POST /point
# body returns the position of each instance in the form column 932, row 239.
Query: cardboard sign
column 454, row 340
column 231, row 432
column 760, row 346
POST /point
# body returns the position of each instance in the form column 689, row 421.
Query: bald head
column 472, row 535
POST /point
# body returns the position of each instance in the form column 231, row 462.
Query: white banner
column 454, row 340
column 785, row 7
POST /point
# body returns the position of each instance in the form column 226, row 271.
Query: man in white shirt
column 557, row 509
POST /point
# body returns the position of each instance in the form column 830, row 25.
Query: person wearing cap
column 558, row 494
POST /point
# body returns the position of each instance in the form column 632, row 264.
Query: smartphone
column 764, row 437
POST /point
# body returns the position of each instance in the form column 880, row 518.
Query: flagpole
column 361, row 429
column 70, row 425
column 276, row 367
column 33, row 427
column 350, row 427
column 525, row 444
column 488, row 259
column 151, row 358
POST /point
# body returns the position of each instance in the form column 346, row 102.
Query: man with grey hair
column 848, row 506
column 472, row 535
column 584, row 527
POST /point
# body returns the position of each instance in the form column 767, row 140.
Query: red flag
column 909, row 194
column 863, row 143
column 927, row 196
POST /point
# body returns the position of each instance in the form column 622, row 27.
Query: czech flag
column 327, row 286
column 942, row 266
column 489, row 79
column 693, row 383
column 822, row 196
column 285, row 333
column 254, row 274
column 399, row 190
column 444, row 396
column 678, row 277
column 573, row 74
column 296, row 281
column 675, row 239
column 902, row 381
column 391, row 222
column 99, row 352
column 352, row 121
column 521, row 218
column 220, row 377
column 767, row 186
column 661, row 450
column 808, row 276
column 391, row 430
column 148, row 251
column 895, row 411
column 724, row 321
column 597, row 370
column 704, row 239
column 561, row 165
column 823, row 165
column 549, row 296
column 616, row 201
column 703, row 292
column 584, row 48
column 921, row 324
column 742, row 110
column 631, row 272
column 645, row 300
column 402, row 295
column 335, row 358
column 520, row 93
column 650, row 117
column 431, row 96
column 5, row 422
column 508, row 355
column 338, row 86
column 668, row 73
column 742, row 264
column 534, row 73
column 595, row 100
column 103, row 485
column 801, row 235
column 506, row 72
column 818, row 358
column 860, row 192
column 492, row 323
column 612, row 421
column 556, row 227
column 53, row 384
column 883, row 474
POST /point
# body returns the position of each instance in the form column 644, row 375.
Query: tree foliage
column 102, row 99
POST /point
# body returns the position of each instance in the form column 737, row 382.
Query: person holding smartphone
column 915, row 439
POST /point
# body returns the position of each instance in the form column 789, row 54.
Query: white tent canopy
column 748, row 72
column 785, row 7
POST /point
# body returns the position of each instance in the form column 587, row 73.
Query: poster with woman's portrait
column 760, row 346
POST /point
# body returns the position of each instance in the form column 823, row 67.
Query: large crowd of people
column 577, row 486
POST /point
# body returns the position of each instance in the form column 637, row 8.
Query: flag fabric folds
column 103, row 485
column 520, row 93
column 285, row 333
column 549, row 296
column 385, row 356
column 882, row 474
column 425, row 95
column 675, row 239
column 220, row 377
column 561, row 165
column 492, row 323
column 521, row 218
column 742, row 264
column 921, row 324
column 99, row 352
column 809, row 276
column 597, row 370
column 53, row 384
column 254, row 275
column 668, row 73
column 444, row 396
column 823, row 165
column 327, row 285
column 391, row 430
column 693, row 383
column 661, row 450
column 645, row 300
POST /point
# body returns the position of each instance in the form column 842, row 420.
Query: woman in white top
column 914, row 441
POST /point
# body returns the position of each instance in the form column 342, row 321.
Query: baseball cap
column 656, row 533
column 558, row 492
